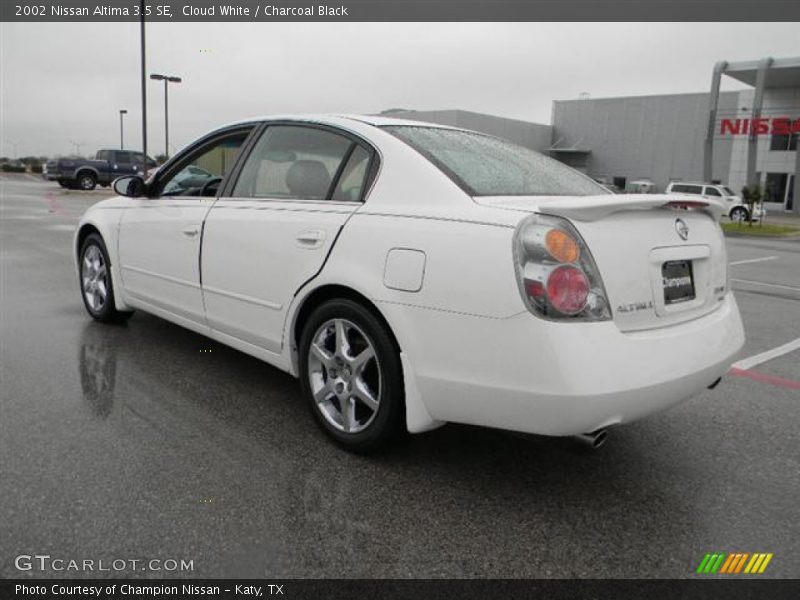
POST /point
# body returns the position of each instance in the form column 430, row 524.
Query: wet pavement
column 147, row 441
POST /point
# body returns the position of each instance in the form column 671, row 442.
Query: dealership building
column 747, row 137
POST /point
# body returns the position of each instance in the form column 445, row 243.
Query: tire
column 356, row 398
column 739, row 215
column 94, row 278
column 86, row 181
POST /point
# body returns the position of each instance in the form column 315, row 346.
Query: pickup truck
column 86, row 174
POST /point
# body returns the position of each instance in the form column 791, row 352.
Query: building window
column 783, row 142
column 775, row 187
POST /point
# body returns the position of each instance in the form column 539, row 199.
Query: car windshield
column 483, row 165
column 729, row 191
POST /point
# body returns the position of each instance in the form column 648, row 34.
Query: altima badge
column 682, row 229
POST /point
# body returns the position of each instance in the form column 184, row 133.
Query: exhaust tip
column 592, row 441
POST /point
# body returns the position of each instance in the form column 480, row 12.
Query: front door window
column 201, row 172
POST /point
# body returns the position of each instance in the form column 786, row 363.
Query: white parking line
column 752, row 260
column 749, row 363
column 775, row 285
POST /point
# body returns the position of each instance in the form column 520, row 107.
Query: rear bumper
column 529, row 375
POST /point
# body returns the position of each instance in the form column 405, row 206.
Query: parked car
column 412, row 274
column 735, row 208
column 86, row 174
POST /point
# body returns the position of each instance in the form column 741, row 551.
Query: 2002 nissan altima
column 411, row 274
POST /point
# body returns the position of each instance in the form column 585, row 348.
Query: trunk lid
column 660, row 264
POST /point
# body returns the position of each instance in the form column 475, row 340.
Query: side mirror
column 131, row 186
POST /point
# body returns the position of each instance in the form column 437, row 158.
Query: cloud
column 65, row 82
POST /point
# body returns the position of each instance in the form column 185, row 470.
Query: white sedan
column 411, row 275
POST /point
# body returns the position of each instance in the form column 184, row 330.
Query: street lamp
column 122, row 112
column 142, row 50
column 167, row 79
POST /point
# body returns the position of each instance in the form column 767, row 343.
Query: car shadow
column 197, row 394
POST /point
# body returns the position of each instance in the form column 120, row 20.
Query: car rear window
column 483, row 165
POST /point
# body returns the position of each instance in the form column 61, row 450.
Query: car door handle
column 190, row 232
column 310, row 238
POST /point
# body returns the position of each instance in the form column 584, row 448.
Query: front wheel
column 97, row 289
column 739, row 214
column 351, row 375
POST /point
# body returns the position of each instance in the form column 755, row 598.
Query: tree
column 752, row 196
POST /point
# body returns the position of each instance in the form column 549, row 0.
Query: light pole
column 122, row 112
column 167, row 79
column 142, row 49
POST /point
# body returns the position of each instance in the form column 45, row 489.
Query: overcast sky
column 66, row 82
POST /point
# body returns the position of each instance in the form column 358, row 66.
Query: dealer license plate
column 678, row 281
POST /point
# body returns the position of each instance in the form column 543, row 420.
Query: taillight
column 557, row 276
column 686, row 204
column 568, row 290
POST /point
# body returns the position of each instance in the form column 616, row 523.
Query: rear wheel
column 351, row 375
column 87, row 181
column 739, row 214
column 97, row 289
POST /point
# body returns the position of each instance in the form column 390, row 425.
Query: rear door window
column 350, row 186
column 303, row 163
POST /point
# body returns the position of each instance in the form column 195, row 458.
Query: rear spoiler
column 593, row 208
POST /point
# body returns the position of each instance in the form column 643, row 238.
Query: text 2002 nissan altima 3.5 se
column 410, row 275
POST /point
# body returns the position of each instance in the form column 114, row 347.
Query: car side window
column 122, row 158
column 138, row 159
column 201, row 171
column 299, row 162
column 688, row 189
column 710, row 191
column 350, row 187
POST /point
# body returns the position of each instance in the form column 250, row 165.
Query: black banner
column 291, row 589
column 399, row 10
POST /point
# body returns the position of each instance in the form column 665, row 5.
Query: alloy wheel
column 94, row 278
column 344, row 375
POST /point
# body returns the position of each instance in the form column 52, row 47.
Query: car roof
column 382, row 121
column 696, row 183
column 340, row 119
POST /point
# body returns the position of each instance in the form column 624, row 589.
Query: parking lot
column 149, row 441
